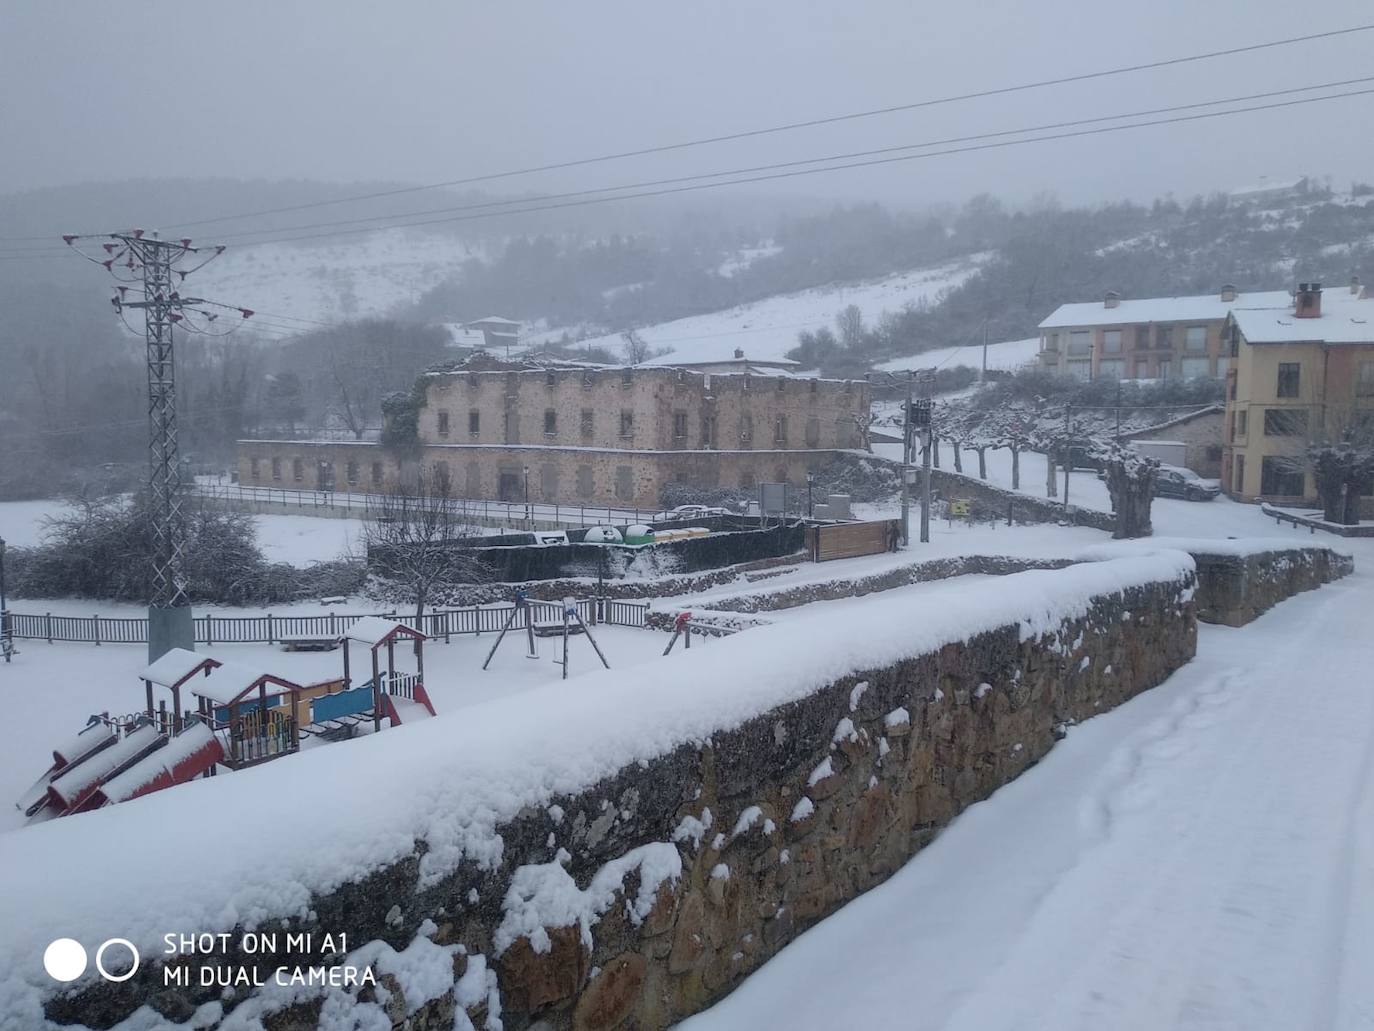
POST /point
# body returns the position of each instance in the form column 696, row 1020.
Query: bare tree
column 850, row 325
column 1130, row 478
column 418, row 536
column 634, row 349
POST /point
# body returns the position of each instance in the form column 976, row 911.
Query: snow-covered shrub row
column 377, row 835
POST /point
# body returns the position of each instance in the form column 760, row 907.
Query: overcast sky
column 345, row 90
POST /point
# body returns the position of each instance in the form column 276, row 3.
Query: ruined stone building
column 584, row 434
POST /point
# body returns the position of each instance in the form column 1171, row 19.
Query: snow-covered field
column 333, row 279
column 768, row 329
column 1008, row 355
column 298, row 540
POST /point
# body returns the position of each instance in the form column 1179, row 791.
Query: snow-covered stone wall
column 621, row 853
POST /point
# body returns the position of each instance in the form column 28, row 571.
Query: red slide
column 186, row 756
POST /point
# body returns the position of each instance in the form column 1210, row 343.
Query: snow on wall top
column 1161, row 309
column 180, row 862
column 1241, row 547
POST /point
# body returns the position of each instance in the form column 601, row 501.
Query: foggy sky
column 346, row 90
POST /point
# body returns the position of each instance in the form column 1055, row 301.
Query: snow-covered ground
column 298, row 540
column 1201, row 857
column 333, row 279
column 768, row 329
column 1008, row 355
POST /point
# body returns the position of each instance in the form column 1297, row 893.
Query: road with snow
column 1201, row 857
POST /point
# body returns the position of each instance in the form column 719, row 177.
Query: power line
column 489, row 205
column 773, row 129
column 805, row 124
column 795, row 173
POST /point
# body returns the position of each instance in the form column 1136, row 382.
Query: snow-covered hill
column 1008, row 355
column 767, row 329
column 335, row 279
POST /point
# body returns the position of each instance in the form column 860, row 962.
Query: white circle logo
column 65, row 959
column 100, row 960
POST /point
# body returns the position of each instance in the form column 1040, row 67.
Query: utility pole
column 906, row 463
column 1068, row 454
column 144, row 261
column 926, row 414
column 6, row 635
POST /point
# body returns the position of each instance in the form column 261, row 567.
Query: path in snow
column 1201, row 857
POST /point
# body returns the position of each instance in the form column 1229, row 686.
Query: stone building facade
column 586, row 435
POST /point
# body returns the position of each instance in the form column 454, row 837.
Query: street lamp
column 810, row 483
column 528, row 519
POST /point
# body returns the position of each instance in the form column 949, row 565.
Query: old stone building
column 582, row 434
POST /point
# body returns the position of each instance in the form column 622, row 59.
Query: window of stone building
column 550, row 422
column 1111, row 341
column 708, row 430
column 443, row 423
column 550, row 378
column 780, row 430
column 813, row 432
column 747, row 383
column 1195, row 338
column 1289, row 379
column 297, row 469
column 474, row 381
column 512, row 383
column 815, row 386
column 351, row 473
column 472, row 486
column 1080, row 342
column 679, row 425
column 782, row 385
column 512, row 426
column 1164, row 337
column 746, row 430
column 627, row 423
column 624, row 483
column 276, row 468
column 253, row 464
column 1191, row 368
column 474, row 422
column 585, row 485
column 588, row 422
column 1280, row 476
column 548, row 482
column 1142, row 337
column 1285, row 422
column 588, row 378
column 1364, row 382
column 627, row 376
column 377, row 475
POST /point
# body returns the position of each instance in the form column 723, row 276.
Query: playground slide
column 403, row 710
column 93, row 738
column 188, row 755
column 70, row 792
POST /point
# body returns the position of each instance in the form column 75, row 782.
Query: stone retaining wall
column 993, row 502
column 1235, row 589
column 651, row 894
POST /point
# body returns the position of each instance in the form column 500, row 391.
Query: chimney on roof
column 1307, row 302
column 1111, row 300
column 1355, row 286
column 739, row 352
column 1228, row 292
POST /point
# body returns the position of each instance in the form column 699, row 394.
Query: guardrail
column 272, row 629
column 492, row 513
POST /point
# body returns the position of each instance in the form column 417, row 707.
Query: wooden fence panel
column 850, row 540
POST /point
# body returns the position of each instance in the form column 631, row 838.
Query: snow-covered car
column 688, row 512
column 1174, row 481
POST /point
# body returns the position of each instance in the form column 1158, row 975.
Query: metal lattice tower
column 144, row 262
column 160, row 304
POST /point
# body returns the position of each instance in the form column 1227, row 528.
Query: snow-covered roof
column 373, row 630
column 1344, row 320
column 494, row 320
column 772, row 364
column 1262, row 189
column 231, row 680
column 1161, row 309
column 176, row 667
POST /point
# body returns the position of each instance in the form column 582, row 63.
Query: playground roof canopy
column 377, row 630
column 176, row 667
column 231, row 681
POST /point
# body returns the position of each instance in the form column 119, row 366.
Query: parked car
column 1174, row 481
column 688, row 512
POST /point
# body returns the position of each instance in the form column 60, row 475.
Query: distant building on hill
column 738, row 364
column 1150, row 338
column 497, row 333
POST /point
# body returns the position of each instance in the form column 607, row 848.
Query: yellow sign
column 958, row 508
